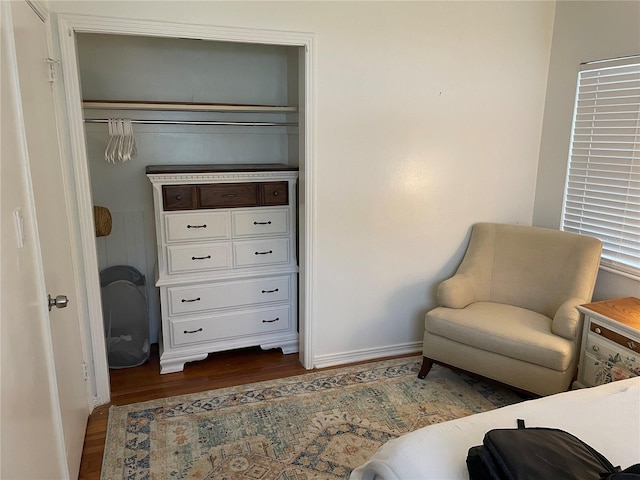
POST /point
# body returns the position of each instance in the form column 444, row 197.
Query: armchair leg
column 427, row 363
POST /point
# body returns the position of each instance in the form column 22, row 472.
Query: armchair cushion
column 503, row 329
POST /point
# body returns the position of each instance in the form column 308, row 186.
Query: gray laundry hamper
column 126, row 316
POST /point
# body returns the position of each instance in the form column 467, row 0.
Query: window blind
column 602, row 194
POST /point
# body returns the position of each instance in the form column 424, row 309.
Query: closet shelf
column 186, row 107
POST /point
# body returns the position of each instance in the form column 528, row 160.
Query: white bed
column 606, row 417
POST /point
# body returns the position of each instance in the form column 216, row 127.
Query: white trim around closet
column 77, row 170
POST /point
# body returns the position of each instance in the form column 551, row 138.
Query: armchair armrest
column 456, row 292
column 566, row 322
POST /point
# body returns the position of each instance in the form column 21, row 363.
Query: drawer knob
column 178, row 197
column 193, row 331
column 264, row 253
column 201, row 258
column 197, row 226
column 597, row 330
column 631, row 344
column 270, row 291
column 262, row 223
column 185, row 300
column 275, row 194
column 595, row 348
column 271, row 321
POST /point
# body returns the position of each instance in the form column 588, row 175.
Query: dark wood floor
column 139, row 384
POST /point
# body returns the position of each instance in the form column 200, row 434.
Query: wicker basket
column 102, row 221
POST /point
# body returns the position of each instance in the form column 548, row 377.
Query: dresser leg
column 287, row 345
column 176, row 364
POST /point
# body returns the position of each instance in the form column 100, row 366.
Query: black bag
column 540, row 454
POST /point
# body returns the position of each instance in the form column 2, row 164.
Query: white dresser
column 227, row 258
column 610, row 342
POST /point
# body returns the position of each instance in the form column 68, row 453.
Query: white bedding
column 606, row 417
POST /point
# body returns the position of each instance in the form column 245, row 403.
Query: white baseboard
column 333, row 359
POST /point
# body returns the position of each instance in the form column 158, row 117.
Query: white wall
column 583, row 31
column 428, row 119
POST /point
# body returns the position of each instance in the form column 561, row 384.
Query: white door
column 32, row 444
column 44, row 162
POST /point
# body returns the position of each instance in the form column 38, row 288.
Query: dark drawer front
column 622, row 340
column 274, row 193
column 225, row 195
column 178, row 197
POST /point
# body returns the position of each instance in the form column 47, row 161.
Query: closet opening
column 198, row 104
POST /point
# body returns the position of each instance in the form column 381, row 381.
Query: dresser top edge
column 219, row 168
column 623, row 310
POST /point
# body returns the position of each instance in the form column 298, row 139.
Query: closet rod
column 198, row 122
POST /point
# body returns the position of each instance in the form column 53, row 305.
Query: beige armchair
column 509, row 313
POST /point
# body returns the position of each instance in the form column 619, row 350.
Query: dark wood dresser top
column 222, row 167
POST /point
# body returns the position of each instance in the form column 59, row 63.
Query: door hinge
column 85, row 371
column 51, row 63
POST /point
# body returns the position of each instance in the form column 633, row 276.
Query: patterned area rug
column 317, row 426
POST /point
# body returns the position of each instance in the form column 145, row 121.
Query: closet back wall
column 133, row 68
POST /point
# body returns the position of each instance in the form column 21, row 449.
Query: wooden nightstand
column 610, row 342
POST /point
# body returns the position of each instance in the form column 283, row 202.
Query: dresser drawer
column 599, row 370
column 260, row 222
column 228, row 195
column 194, row 258
column 230, row 325
column 200, row 298
column 602, row 348
column 181, row 227
column 178, row 197
column 274, row 193
column 261, row 252
column 622, row 340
